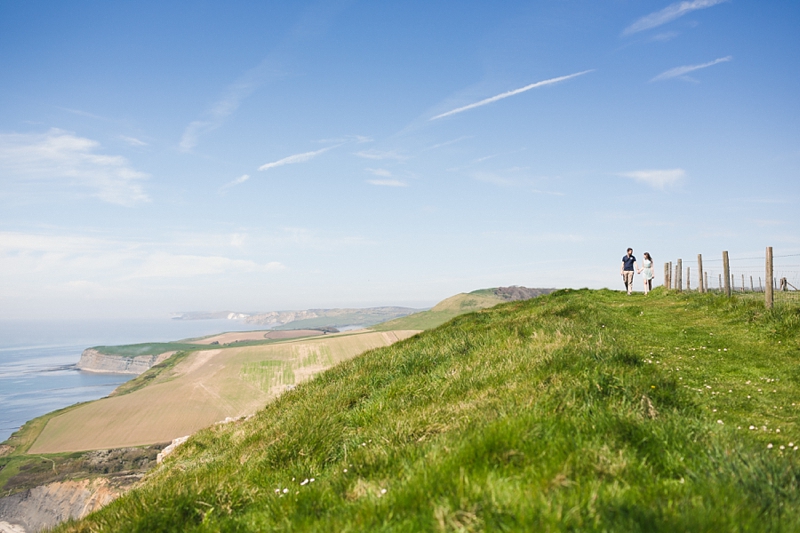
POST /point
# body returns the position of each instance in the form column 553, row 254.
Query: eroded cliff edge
column 94, row 361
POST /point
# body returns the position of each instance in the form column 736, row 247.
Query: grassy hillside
column 149, row 348
column 443, row 311
column 337, row 318
column 581, row 410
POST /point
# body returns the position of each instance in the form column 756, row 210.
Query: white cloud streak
column 107, row 260
column 238, row 181
column 133, row 141
column 382, row 172
column 668, row 14
column 658, row 179
column 311, row 24
column 224, row 107
column 681, row 71
column 61, row 158
column 388, row 183
column 296, row 158
column 514, row 92
column 379, row 155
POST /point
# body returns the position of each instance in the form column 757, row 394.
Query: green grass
column 150, row 348
column 155, row 373
column 156, row 348
column 443, row 311
column 577, row 411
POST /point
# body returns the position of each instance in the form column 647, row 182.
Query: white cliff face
column 279, row 318
column 94, row 361
column 48, row 505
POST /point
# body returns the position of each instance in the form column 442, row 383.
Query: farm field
column 577, row 411
column 242, row 336
column 198, row 389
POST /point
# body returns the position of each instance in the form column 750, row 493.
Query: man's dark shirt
column 628, row 262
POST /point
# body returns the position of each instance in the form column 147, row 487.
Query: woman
column 647, row 270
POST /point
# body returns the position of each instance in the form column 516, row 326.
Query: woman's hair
column 647, row 256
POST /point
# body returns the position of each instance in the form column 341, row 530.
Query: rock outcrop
column 94, row 361
column 44, row 507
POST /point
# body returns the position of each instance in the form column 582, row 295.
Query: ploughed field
column 580, row 410
column 194, row 389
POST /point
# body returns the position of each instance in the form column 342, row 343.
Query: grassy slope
column 150, row 348
column 579, row 410
column 443, row 311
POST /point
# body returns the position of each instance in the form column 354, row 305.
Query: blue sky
column 174, row 156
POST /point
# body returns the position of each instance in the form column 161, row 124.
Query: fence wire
column 747, row 275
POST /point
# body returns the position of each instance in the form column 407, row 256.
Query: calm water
column 36, row 358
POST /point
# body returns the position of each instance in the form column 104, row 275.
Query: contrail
column 511, row 93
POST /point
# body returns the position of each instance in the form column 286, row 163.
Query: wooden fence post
column 679, row 275
column 700, row 286
column 706, row 281
column 671, row 279
column 688, row 278
column 752, row 287
column 726, row 271
column 742, row 282
column 768, row 298
column 719, row 283
column 666, row 275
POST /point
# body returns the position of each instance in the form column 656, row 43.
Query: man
column 627, row 269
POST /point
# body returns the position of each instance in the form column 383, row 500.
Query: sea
column 37, row 358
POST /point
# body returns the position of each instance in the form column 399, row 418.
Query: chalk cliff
column 94, row 361
column 44, row 507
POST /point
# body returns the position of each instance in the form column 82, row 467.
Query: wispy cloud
column 109, row 260
column 448, row 143
column 311, row 24
column 382, row 172
column 664, row 37
column 165, row 265
column 59, row 157
column 82, row 113
column 388, row 183
column 380, row 155
column 658, row 179
column 224, row 107
column 133, row 141
column 358, row 139
column 682, row 71
column 668, row 14
column 514, row 92
column 237, row 181
column 494, row 179
column 296, row 158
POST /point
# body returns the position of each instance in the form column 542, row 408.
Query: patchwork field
column 204, row 387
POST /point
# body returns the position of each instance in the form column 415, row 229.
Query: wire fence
column 747, row 275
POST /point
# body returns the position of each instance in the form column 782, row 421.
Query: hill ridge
column 579, row 410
